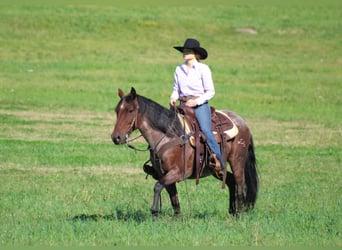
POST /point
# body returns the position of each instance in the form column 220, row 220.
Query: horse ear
column 133, row 93
column 121, row 93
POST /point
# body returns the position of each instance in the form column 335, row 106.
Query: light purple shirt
column 196, row 82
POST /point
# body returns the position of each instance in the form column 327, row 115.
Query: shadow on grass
column 118, row 215
column 140, row 216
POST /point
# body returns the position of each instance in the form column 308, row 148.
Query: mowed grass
column 64, row 183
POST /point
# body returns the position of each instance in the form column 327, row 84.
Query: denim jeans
column 203, row 115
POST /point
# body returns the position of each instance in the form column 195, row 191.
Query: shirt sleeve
column 208, row 85
column 176, row 90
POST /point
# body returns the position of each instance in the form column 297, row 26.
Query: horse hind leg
column 240, row 195
column 230, row 181
column 237, row 187
column 246, row 178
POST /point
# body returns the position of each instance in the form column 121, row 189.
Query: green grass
column 64, row 183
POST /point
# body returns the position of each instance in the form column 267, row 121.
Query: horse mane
column 161, row 118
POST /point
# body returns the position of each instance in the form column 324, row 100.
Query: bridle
column 128, row 140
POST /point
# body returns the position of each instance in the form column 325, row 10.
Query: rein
column 133, row 147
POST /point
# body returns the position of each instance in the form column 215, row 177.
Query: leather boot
column 148, row 169
column 218, row 170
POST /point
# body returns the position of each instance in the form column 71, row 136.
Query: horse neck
column 154, row 129
column 151, row 135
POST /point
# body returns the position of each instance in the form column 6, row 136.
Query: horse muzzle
column 119, row 139
column 116, row 140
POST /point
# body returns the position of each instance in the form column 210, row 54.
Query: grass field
column 64, row 183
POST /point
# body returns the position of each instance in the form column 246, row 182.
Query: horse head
column 126, row 113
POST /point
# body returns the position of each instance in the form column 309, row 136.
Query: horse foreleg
column 157, row 191
column 172, row 190
column 169, row 182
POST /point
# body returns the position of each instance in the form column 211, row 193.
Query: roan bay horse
column 160, row 126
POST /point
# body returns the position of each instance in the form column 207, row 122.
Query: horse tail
column 251, row 177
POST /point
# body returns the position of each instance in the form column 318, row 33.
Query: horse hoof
column 231, row 211
column 177, row 213
column 237, row 216
column 154, row 214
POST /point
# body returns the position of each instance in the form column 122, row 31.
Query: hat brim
column 201, row 51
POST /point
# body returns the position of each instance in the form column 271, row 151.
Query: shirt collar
column 193, row 66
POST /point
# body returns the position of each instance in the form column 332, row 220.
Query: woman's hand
column 173, row 102
column 191, row 103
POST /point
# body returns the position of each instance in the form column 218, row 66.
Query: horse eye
column 131, row 110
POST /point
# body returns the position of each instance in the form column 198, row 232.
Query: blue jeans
column 203, row 115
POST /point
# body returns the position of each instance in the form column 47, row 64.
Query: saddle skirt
column 222, row 125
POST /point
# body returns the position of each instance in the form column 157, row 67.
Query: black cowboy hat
column 193, row 44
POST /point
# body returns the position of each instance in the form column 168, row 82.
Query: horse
column 162, row 129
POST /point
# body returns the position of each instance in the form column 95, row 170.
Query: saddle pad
column 232, row 131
